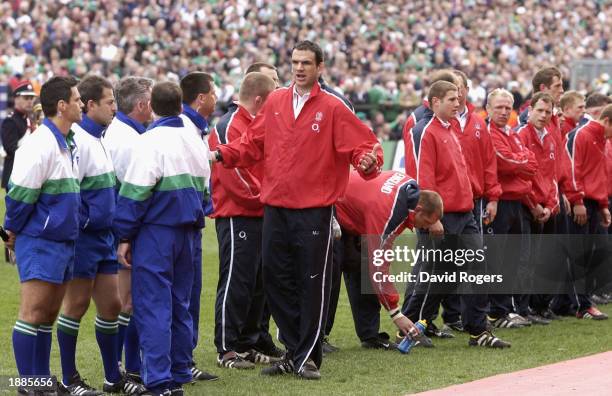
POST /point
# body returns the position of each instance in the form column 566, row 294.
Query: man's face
column 74, row 107
column 103, row 111
column 272, row 74
column 447, row 107
column 539, row 115
column 423, row 220
column 555, row 89
column 144, row 109
column 24, row 103
column 208, row 102
column 499, row 109
column 304, row 69
column 462, row 92
column 575, row 111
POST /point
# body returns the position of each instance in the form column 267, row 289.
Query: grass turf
column 352, row 370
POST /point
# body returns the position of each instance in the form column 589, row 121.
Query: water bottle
column 408, row 342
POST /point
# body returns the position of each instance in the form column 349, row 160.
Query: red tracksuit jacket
column 435, row 157
column 235, row 192
column 512, row 159
column 609, row 165
column 586, row 150
column 381, row 209
column 479, row 155
column 306, row 160
column 567, row 124
column 544, row 184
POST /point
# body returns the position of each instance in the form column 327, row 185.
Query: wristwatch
column 218, row 156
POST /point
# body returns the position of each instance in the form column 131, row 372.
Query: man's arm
column 30, row 171
column 10, row 136
column 492, row 188
column 353, row 137
column 249, row 149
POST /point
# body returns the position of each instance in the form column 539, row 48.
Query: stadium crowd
column 378, row 53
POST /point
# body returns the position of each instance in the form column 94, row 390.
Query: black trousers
column 297, row 261
column 240, row 297
column 365, row 307
column 512, row 218
column 461, row 232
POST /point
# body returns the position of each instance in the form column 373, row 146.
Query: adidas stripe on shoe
column 487, row 339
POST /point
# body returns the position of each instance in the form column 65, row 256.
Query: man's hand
column 10, row 244
column 212, row 156
column 492, row 211
column 405, row 325
column 369, row 162
column 545, row 216
column 124, row 254
column 436, row 229
column 605, row 217
column 580, row 214
column 537, row 212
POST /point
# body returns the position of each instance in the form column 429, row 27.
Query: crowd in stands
column 380, row 54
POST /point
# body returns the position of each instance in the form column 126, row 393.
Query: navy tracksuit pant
column 365, row 307
column 297, row 263
column 196, row 291
column 512, row 218
column 461, row 232
column 240, row 299
column 162, row 281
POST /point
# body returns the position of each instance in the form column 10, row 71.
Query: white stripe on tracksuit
column 316, row 338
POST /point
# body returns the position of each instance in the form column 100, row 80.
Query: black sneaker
column 456, row 326
column 126, row 386
column 269, row 349
column 505, row 322
column 283, row 366
column 309, row 371
column 77, row 387
column 379, row 343
column 537, row 319
column 327, row 347
column 549, row 314
column 254, row 356
column 30, row 392
column 487, row 339
column 233, row 360
column 177, row 392
column 199, row 375
column 433, row 331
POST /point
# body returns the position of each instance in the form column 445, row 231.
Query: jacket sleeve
column 10, row 137
column 378, row 269
column 354, row 138
column 492, row 188
column 508, row 162
column 426, row 163
column 407, row 136
column 576, row 156
column 249, row 149
column 30, row 171
column 135, row 195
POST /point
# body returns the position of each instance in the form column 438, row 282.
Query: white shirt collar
column 298, row 101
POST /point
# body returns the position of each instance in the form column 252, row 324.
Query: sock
column 106, row 335
column 124, row 321
column 67, row 333
column 24, row 346
column 132, row 349
column 43, row 349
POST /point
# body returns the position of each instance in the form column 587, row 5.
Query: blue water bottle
column 408, row 342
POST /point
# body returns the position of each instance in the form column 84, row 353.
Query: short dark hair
column 544, row 76
column 257, row 66
column 443, row 75
column 542, row 96
column 597, row 99
column 308, row 45
column 91, row 88
column 166, row 99
column 431, row 202
column 439, row 89
column 196, row 83
column 56, row 89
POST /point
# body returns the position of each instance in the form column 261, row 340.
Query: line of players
column 158, row 211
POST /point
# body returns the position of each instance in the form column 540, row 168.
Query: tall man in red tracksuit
column 307, row 139
column 537, row 138
column 516, row 167
column 585, row 148
column 379, row 210
column 439, row 165
column 238, row 215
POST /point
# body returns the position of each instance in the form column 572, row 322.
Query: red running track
column 591, row 375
